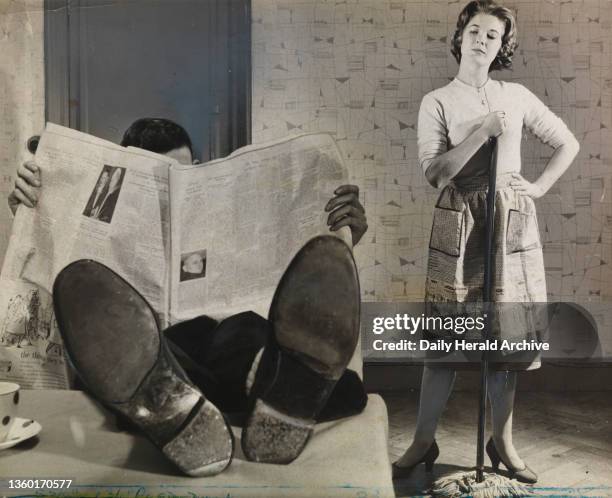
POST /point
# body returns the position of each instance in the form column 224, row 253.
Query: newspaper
column 238, row 222
column 206, row 239
column 31, row 352
column 100, row 201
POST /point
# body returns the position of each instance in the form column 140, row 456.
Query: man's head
column 162, row 136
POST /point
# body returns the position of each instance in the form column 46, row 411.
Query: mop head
column 464, row 484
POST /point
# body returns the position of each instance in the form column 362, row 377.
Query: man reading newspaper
column 275, row 376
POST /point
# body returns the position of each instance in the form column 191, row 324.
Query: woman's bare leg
column 502, row 386
column 436, row 386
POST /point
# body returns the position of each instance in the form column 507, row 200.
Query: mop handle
column 490, row 227
column 487, row 298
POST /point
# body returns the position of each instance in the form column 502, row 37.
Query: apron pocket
column 446, row 231
column 522, row 234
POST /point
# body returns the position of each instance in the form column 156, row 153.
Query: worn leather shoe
column 315, row 322
column 113, row 340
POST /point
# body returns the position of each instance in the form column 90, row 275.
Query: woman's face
column 482, row 39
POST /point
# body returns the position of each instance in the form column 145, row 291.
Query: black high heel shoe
column 430, row 456
column 525, row 475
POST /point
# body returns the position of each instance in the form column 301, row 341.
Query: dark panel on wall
column 109, row 62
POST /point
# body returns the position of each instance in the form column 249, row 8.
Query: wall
column 358, row 69
column 22, row 104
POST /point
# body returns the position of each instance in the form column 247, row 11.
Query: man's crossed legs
column 284, row 373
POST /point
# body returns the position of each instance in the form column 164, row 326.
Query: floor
column 566, row 438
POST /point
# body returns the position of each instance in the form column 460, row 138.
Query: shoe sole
column 112, row 339
column 316, row 335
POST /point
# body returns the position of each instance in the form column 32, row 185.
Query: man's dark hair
column 503, row 60
column 156, row 135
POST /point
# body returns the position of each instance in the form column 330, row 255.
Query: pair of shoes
column 113, row 340
column 430, row 456
column 525, row 474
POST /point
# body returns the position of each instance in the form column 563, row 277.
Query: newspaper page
column 31, row 351
column 238, row 221
column 99, row 201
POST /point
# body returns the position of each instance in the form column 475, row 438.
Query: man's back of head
column 157, row 135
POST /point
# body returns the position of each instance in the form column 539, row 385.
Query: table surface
column 79, row 441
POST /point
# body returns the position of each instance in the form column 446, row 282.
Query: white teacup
column 9, row 401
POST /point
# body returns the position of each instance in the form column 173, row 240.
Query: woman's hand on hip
column 494, row 123
column 523, row 187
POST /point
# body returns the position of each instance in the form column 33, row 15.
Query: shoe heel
column 493, row 455
column 432, row 455
column 273, row 437
column 204, row 445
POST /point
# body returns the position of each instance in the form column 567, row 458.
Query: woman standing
column 456, row 123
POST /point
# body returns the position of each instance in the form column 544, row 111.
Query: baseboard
column 549, row 378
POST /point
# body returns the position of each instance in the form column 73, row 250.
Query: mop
column 477, row 483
